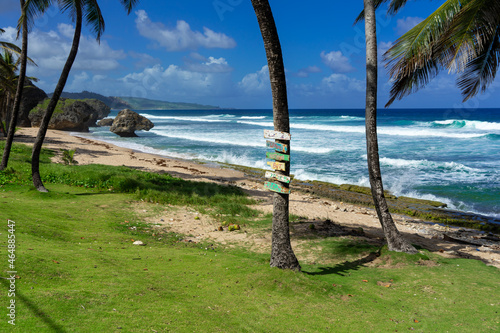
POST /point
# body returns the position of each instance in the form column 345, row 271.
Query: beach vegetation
column 68, row 156
column 77, row 267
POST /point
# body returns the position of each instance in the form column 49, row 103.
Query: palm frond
column 129, row 4
column 406, row 83
column 69, row 6
column 32, row 10
column 481, row 71
column 93, row 17
column 470, row 32
column 10, row 47
column 416, row 55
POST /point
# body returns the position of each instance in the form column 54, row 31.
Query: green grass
column 80, row 272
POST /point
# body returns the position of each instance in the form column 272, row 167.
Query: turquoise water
column 448, row 155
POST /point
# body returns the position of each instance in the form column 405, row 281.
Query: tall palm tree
column 461, row 36
column 19, row 92
column 394, row 239
column 282, row 255
column 93, row 17
column 8, row 79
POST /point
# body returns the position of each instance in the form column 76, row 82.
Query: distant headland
column 136, row 103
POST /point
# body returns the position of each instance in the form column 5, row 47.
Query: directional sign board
column 277, row 165
column 276, row 188
column 279, row 147
column 278, row 156
column 281, row 178
column 268, row 134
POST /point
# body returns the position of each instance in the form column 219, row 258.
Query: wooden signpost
column 268, row 134
column 277, row 165
column 278, row 156
column 281, row 178
column 276, row 188
column 279, row 147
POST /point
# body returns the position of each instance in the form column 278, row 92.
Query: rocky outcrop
column 101, row 110
column 127, row 122
column 70, row 114
column 105, row 122
column 32, row 95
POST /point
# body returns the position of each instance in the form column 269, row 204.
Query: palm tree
column 19, row 92
column 461, row 36
column 93, row 17
column 282, row 255
column 8, row 79
column 394, row 239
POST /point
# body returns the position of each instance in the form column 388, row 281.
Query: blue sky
column 211, row 52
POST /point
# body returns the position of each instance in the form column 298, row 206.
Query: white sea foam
column 263, row 124
column 207, row 119
column 211, row 139
column 256, row 117
column 402, row 163
column 468, row 124
column 235, row 158
column 303, row 174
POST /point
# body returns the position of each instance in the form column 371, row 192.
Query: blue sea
column 449, row 155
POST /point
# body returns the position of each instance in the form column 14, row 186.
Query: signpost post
column 281, row 163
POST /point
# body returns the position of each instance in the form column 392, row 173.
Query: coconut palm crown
column 460, row 36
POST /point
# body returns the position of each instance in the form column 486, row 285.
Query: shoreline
column 312, row 205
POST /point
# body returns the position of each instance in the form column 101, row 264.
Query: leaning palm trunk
column 37, row 146
column 394, row 239
column 19, row 92
column 282, row 255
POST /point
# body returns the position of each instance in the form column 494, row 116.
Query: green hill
column 148, row 104
column 136, row 103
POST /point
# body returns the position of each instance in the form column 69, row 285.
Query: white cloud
column 207, row 65
column 337, row 62
column 181, row 37
column 304, row 72
column 50, row 50
column 256, row 83
column 342, row 83
column 404, row 25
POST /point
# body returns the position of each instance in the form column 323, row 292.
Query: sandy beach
column 427, row 235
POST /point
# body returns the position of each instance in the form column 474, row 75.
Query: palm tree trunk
column 37, row 146
column 282, row 255
column 19, row 93
column 394, row 239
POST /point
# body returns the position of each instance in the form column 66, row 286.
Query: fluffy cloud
column 304, row 72
column 50, row 50
column 200, row 64
column 181, row 37
column 342, row 83
column 337, row 61
column 403, row 25
column 256, row 83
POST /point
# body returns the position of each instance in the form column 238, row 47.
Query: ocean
column 449, row 155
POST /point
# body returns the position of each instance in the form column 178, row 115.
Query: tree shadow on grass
column 36, row 311
column 343, row 268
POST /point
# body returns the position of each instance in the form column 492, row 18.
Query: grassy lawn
column 80, row 272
